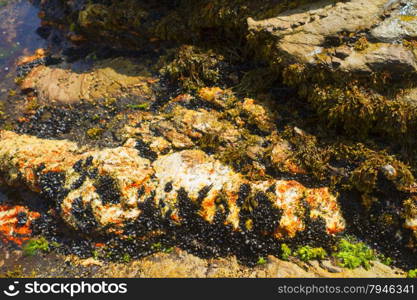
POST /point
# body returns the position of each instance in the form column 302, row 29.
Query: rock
column 395, row 59
column 197, row 123
column 280, row 157
column 329, row 51
column 177, row 138
column 108, row 79
column 377, row 270
column 258, row 115
column 302, row 32
column 401, row 24
column 217, row 96
column 177, row 264
column 104, row 189
column 329, row 266
column 39, row 53
column 302, row 36
column 88, row 262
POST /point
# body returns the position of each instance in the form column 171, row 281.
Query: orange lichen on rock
column 39, row 53
column 126, row 182
column 217, row 96
column 15, row 222
column 210, row 94
column 322, row 204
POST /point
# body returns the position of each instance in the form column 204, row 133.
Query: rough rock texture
column 108, row 79
column 319, row 141
column 78, row 181
column 182, row 265
column 332, row 52
column 305, row 35
column 335, row 55
column 177, row 264
column 400, row 24
column 15, row 223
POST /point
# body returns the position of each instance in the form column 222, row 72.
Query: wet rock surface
column 286, row 123
column 109, row 79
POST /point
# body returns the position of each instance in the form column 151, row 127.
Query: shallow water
column 18, row 37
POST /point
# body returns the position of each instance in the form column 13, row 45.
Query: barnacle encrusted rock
column 96, row 190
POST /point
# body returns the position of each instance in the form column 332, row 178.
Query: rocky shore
column 218, row 128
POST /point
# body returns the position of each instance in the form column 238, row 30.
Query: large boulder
column 337, row 57
column 308, row 35
column 96, row 190
column 402, row 23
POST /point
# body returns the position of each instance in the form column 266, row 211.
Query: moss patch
column 36, row 246
column 308, row 253
column 354, row 254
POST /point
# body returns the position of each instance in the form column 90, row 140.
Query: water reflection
column 19, row 21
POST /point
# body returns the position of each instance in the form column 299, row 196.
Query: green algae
column 286, row 252
column 160, row 247
column 36, row 246
column 353, row 254
column 126, row 258
column 261, row 261
column 386, row 260
column 412, row 273
column 307, row 253
column 142, row 106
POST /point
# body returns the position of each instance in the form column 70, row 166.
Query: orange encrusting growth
column 10, row 229
column 39, row 53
